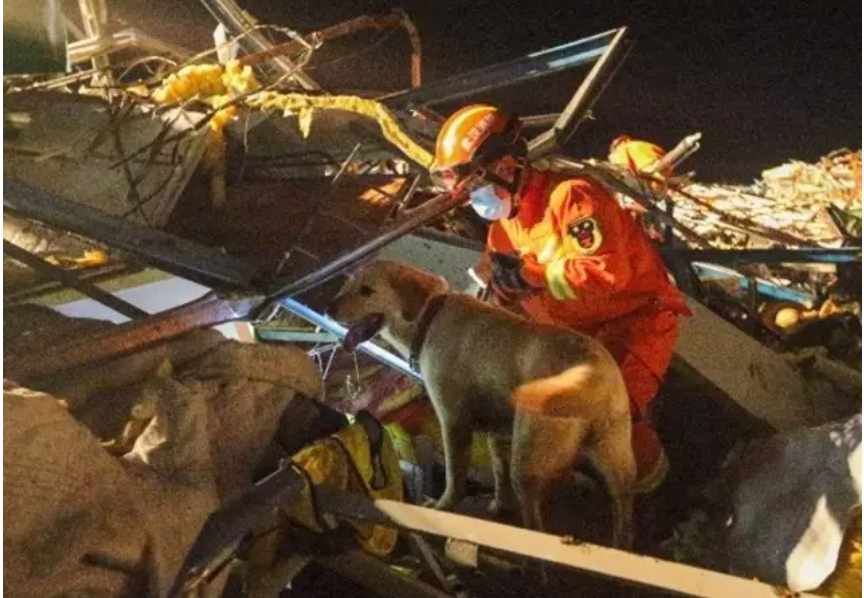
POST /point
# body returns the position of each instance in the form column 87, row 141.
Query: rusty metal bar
column 525, row 68
column 396, row 18
column 196, row 262
column 407, row 197
column 210, row 310
column 685, row 148
column 413, row 219
column 70, row 279
column 416, row 48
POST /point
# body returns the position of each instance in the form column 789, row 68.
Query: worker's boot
column 652, row 465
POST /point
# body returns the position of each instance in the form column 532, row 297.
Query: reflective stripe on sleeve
column 556, row 280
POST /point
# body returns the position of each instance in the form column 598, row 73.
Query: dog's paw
column 444, row 503
column 498, row 507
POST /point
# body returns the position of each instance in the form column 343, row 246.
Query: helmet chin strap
column 512, row 186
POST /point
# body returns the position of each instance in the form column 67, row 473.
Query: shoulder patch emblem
column 586, row 235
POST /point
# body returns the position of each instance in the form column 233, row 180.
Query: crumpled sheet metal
column 80, row 519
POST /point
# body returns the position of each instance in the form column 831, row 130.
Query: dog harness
column 433, row 306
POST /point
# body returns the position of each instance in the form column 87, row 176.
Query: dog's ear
column 415, row 290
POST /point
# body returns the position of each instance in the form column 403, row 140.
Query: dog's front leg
column 456, row 436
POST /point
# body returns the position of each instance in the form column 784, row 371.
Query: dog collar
column 433, row 306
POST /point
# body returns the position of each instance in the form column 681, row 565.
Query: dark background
column 763, row 82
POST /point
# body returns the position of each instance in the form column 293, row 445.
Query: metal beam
column 619, row 564
column 188, row 259
column 252, row 40
column 70, row 279
column 714, row 272
column 335, row 328
column 295, row 336
column 412, row 219
column 808, row 255
column 210, row 310
column 584, row 97
column 395, row 18
column 536, row 64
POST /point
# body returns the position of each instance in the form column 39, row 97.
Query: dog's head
column 382, row 296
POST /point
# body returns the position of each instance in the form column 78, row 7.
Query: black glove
column 507, row 273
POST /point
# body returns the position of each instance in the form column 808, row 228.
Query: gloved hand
column 507, row 274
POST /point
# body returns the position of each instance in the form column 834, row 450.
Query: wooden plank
column 627, row 566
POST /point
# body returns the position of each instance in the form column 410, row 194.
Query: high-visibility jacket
column 596, row 272
column 593, row 262
column 636, row 155
column 344, row 461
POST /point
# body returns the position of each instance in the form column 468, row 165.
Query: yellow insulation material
column 92, row 258
column 217, row 86
column 336, row 461
column 302, row 105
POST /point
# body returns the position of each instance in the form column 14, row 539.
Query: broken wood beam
column 610, row 562
column 628, row 567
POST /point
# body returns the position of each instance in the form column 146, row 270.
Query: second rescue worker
column 567, row 253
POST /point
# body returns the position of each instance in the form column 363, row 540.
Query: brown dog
column 555, row 392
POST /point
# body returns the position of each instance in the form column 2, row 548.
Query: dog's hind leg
column 544, row 451
column 500, row 447
column 612, row 455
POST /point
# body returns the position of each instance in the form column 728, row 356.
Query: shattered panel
column 75, row 146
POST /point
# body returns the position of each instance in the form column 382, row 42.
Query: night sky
column 764, row 82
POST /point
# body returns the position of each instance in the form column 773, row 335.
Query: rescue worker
column 563, row 250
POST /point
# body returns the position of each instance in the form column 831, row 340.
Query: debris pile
column 795, row 198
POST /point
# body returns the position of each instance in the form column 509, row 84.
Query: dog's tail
column 567, row 394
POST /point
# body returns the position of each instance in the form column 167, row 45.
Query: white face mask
column 489, row 205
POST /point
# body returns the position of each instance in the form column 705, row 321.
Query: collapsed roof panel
column 120, row 156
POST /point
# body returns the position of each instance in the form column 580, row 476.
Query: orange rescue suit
column 596, row 272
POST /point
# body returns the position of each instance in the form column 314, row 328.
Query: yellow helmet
column 467, row 130
column 635, row 155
